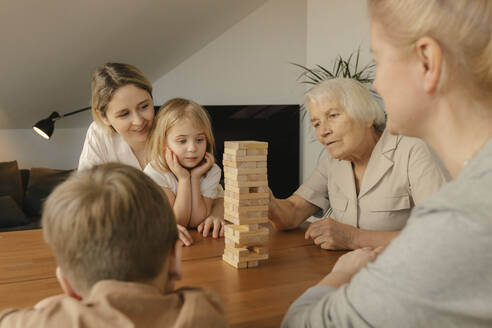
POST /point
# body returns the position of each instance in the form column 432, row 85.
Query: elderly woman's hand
column 330, row 234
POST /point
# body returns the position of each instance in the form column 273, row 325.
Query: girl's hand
column 184, row 235
column 211, row 222
column 203, row 168
column 173, row 163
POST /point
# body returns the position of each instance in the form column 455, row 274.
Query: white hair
column 352, row 96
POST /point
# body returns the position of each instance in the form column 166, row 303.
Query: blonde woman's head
column 462, row 28
column 108, row 79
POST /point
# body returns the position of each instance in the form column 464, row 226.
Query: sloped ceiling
column 48, row 49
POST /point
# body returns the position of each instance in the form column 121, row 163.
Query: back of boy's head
column 109, row 222
column 172, row 112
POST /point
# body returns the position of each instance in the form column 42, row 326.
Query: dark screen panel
column 276, row 124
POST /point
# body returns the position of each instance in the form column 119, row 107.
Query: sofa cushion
column 10, row 181
column 11, row 215
column 41, row 182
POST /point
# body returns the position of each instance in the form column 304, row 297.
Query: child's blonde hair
column 109, row 222
column 106, row 80
column 461, row 27
column 172, row 112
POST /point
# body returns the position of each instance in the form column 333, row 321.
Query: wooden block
column 235, row 264
column 246, row 177
column 227, row 163
column 233, row 171
column 260, row 249
column 241, row 227
column 230, row 207
column 233, row 158
column 239, row 184
column 261, row 164
column 239, row 252
column 250, row 256
column 245, row 144
column 230, row 243
column 237, row 229
column 252, row 264
column 243, row 221
column 247, row 238
column 236, row 152
column 237, row 190
column 260, row 189
column 256, row 152
column 246, row 215
column 232, row 194
column 246, row 202
column 250, row 227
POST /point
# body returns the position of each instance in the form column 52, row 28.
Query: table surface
column 254, row 297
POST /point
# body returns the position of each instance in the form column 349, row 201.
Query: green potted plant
column 342, row 68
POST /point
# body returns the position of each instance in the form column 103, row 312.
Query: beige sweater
column 124, row 304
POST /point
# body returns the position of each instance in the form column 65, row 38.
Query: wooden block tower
column 245, row 203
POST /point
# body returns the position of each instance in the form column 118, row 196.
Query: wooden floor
column 255, row 297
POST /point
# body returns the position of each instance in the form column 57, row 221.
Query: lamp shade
column 45, row 127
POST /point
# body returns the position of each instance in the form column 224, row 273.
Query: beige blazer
column 401, row 172
column 122, row 304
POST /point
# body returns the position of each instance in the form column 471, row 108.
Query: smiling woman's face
column 342, row 136
column 130, row 112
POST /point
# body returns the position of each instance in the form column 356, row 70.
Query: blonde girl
column 181, row 161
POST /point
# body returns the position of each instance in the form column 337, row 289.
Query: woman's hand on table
column 332, row 235
column 349, row 264
column 184, row 235
column 211, row 222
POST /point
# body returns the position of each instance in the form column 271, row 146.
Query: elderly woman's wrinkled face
column 342, row 136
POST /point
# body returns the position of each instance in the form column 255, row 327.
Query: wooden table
column 255, row 297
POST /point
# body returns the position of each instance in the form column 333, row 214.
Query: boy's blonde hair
column 461, row 27
column 109, row 222
column 106, row 80
column 172, row 112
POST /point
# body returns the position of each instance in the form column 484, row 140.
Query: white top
column 209, row 182
column 100, row 148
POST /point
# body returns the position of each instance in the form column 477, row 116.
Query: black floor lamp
column 45, row 127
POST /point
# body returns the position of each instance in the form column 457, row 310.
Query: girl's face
column 188, row 142
column 130, row 112
column 398, row 81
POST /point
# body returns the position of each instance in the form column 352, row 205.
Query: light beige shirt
column 401, row 172
column 124, row 304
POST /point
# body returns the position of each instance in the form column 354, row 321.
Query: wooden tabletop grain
column 254, row 297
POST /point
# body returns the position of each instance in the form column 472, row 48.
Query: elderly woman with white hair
column 369, row 180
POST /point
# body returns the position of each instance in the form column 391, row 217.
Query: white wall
column 248, row 64
column 62, row 151
column 30, row 150
column 335, row 27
